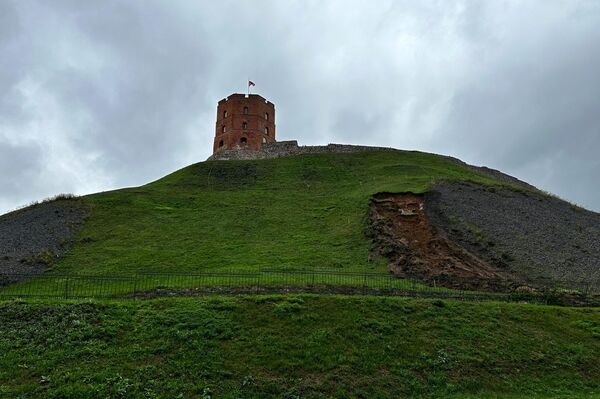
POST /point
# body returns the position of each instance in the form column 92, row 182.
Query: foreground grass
column 304, row 212
column 297, row 347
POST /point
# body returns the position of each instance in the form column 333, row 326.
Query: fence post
column 258, row 281
column 66, row 287
column 135, row 282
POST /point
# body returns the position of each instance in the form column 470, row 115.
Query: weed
column 206, row 393
column 438, row 303
column 286, row 308
column 475, row 231
column 46, row 257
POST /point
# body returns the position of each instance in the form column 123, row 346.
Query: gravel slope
column 526, row 233
column 30, row 238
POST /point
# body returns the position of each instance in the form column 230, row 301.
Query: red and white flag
column 251, row 83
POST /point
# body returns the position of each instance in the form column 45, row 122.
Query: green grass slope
column 296, row 212
column 297, row 347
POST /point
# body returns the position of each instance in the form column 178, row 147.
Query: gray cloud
column 99, row 95
column 27, row 158
column 531, row 105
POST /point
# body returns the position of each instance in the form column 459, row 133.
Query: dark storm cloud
column 99, row 95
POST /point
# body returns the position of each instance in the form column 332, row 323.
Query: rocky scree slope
column 32, row 238
column 529, row 234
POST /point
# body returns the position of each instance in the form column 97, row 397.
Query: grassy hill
column 303, row 212
column 297, row 347
column 297, row 212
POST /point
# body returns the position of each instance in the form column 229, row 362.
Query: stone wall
column 288, row 148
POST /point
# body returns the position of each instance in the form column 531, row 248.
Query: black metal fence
column 145, row 285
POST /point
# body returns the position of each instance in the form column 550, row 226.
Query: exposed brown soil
column 402, row 232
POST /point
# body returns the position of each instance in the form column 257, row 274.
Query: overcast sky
column 97, row 95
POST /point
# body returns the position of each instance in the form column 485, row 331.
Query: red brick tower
column 244, row 121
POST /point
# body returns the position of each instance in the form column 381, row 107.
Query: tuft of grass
column 57, row 197
column 45, row 257
column 475, row 232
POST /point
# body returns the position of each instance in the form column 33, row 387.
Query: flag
column 251, row 83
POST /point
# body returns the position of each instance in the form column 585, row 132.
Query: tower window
column 245, row 110
column 245, row 125
column 266, row 116
column 221, row 143
column 225, row 114
column 223, row 129
column 264, row 140
column 244, row 140
column 267, row 131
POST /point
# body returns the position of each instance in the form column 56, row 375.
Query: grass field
column 286, row 346
column 306, row 212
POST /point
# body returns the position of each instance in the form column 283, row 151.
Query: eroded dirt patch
column 402, row 232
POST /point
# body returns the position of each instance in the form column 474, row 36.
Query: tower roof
column 253, row 97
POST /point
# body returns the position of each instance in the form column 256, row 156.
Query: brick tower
column 244, row 122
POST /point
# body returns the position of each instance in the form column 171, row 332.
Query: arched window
column 245, row 110
column 225, row 114
column 245, row 125
column 244, row 140
column 267, row 131
column 221, row 143
column 223, row 129
column 266, row 116
column 264, row 140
